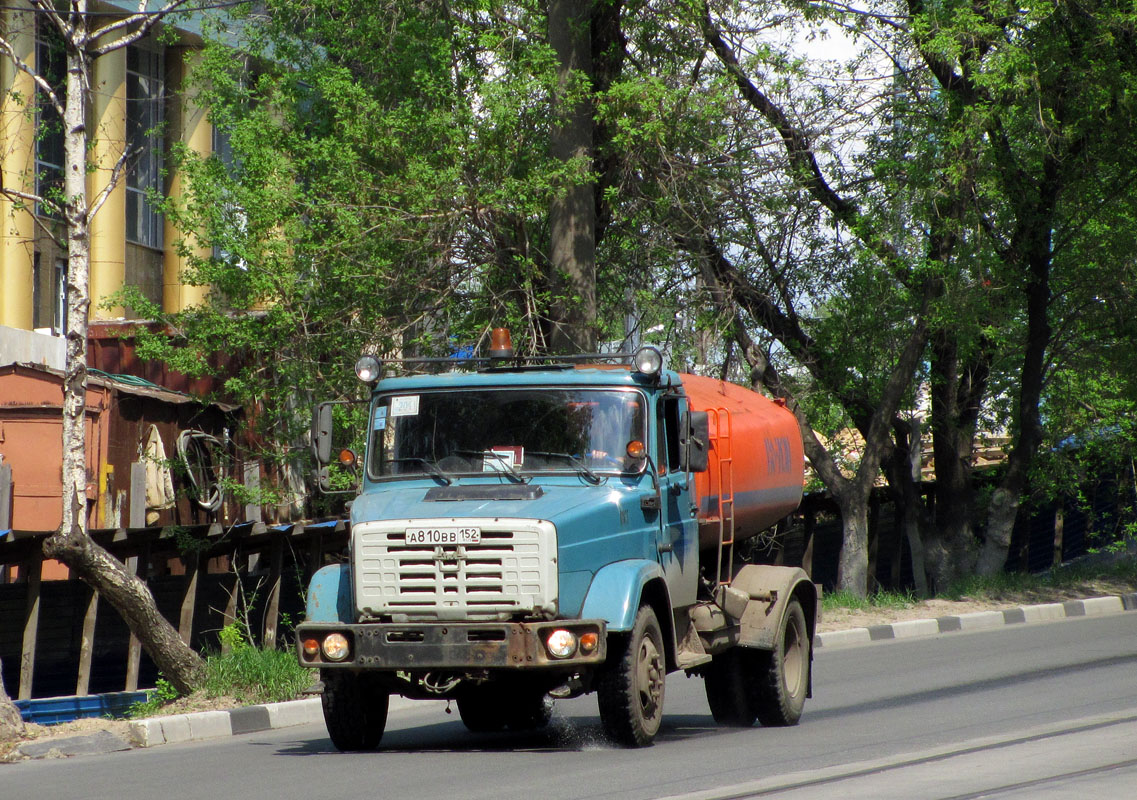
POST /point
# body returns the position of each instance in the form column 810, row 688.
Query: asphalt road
column 1039, row 711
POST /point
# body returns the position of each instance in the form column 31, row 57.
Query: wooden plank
column 272, row 606
column 252, row 477
column 34, row 569
column 189, row 599
column 87, row 645
column 136, row 565
column 137, row 513
column 315, row 552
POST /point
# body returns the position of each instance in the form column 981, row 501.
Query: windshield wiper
column 431, row 467
column 589, row 475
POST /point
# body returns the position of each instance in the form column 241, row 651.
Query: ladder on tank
column 724, row 447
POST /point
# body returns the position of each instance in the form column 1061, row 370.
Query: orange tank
column 756, row 460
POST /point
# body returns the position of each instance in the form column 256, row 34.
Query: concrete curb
column 980, row 620
column 205, row 725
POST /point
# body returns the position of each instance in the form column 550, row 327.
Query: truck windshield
column 513, row 432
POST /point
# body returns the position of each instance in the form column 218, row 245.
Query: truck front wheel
column 781, row 686
column 630, row 690
column 355, row 709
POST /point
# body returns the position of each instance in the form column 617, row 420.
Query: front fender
column 614, row 594
column 329, row 595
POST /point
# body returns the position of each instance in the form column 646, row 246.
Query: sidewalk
column 205, row 725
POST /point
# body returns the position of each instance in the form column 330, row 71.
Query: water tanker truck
column 530, row 531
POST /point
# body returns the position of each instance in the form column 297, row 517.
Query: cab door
column 678, row 543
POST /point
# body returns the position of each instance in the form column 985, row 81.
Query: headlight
column 648, row 361
column 335, row 647
column 368, row 369
column 561, row 643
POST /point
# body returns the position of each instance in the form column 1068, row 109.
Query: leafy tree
column 981, row 172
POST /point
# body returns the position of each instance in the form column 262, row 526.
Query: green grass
column 249, row 674
column 255, row 675
column 880, row 599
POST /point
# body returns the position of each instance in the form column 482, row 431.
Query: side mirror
column 322, row 433
column 694, row 441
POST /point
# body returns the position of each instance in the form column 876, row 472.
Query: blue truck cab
column 526, row 532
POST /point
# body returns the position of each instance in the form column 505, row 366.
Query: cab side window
column 667, row 417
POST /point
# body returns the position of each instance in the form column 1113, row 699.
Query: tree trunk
column 1006, row 499
column 956, row 396
column 853, row 566
column 903, row 471
column 180, row 665
column 11, row 723
column 71, row 544
column 572, row 213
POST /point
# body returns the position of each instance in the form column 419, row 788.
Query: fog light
column 588, row 642
column 335, row 647
column 561, row 643
column 310, row 648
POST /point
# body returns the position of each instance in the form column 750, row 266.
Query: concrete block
column 295, row 712
column 852, row 636
column 1097, row 606
column 209, row 725
column 175, row 728
column 1044, row 612
column 915, row 627
column 981, row 620
column 147, row 732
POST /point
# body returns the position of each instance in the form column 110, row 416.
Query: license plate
column 444, row 535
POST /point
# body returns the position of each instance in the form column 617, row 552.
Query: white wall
column 28, row 347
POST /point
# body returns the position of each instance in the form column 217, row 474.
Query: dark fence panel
column 47, row 661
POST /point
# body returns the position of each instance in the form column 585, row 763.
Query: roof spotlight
column 648, row 361
column 368, row 369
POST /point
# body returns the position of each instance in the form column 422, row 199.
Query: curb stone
column 980, row 620
column 205, row 725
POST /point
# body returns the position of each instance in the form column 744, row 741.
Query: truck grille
column 512, row 571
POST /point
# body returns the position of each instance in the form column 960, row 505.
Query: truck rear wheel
column 780, row 689
column 729, row 681
column 355, row 709
column 631, row 686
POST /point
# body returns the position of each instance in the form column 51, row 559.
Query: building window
column 53, row 317
column 144, row 90
column 236, row 222
column 51, row 65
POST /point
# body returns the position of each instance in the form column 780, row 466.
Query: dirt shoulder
column 843, row 619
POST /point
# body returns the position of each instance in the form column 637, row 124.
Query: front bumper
column 451, row 646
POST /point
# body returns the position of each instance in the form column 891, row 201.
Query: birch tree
column 86, row 36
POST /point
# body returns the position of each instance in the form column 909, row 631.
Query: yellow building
column 138, row 104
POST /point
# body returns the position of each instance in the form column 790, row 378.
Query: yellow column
column 108, row 141
column 188, row 124
column 17, row 161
